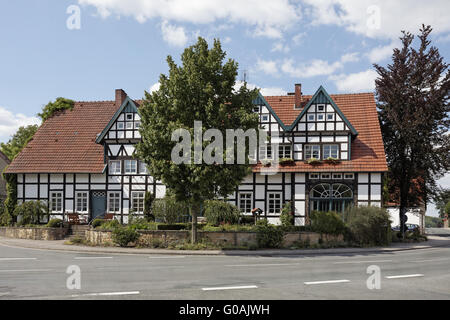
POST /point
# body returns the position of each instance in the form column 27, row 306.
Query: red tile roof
column 66, row 142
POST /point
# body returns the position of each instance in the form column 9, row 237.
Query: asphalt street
column 41, row 274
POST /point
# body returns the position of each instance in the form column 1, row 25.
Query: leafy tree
column 441, row 200
column 18, row 141
column 149, row 198
column 413, row 96
column 202, row 89
column 53, row 107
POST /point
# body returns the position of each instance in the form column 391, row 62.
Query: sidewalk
column 58, row 245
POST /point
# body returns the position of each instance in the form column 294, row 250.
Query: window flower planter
column 332, row 160
column 313, row 161
column 286, row 162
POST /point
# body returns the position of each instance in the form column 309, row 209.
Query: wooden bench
column 75, row 218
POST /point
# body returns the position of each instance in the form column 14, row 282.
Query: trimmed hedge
column 327, row 223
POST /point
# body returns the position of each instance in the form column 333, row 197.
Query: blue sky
column 124, row 44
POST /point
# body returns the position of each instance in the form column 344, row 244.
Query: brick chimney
column 120, row 97
column 298, row 95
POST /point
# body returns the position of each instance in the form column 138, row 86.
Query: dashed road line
column 230, row 288
column 405, row 276
column 326, row 282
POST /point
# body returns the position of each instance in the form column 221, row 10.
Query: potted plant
column 266, row 163
column 332, row 160
column 313, row 161
column 286, row 162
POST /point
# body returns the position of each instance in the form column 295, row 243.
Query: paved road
column 40, row 274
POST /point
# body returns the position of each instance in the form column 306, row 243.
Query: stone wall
column 34, row 233
column 229, row 238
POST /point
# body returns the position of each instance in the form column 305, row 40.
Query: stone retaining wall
column 33, row 233
column 231, row 238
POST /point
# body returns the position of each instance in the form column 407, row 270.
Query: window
column 330, row 151
column 284, row 151
column 274, row 202
column 330, row 116
column 129, row 125
column 137, row 124
column 81, row 202
column 129, row 116
column 114, row 167
column 265, row 118
column 56, row 201
column 312, row 151
column 120, row 125
column 326, row 176
column 330, row 197
column 137, row 201
column 114, row 202
column 265, row 152
column 320, row 117
column 321, row 107
column 130, row 166
column 256, row 109
column 245, row 202
column 349, row 176
column 337, row 176
column 142, row 168
column 311, row 117
column 314, row 176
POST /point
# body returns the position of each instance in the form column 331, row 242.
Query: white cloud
column 267, row 91
column 10, row 122
column 350, row 57
column 267, row 66
column 380, row 53
column 280, row 47
column 383, row 19
column 173, row 35
column 155, row 87
column 355, row 82
column 313, row 68
column 297, row 39
column 269, row 19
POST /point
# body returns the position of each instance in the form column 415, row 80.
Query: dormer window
column 330, row 151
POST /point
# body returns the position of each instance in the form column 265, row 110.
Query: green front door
column 98, row 204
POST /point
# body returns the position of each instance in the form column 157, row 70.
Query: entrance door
column 98, row 203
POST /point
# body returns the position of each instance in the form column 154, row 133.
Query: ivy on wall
column 51, row 108
column 10, row 203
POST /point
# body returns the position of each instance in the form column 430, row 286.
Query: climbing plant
column 52, row 107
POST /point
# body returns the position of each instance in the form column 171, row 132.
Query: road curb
column 9, row 242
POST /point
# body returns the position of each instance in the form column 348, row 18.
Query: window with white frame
column 284, row 151
column 312, row 151
column 321, row 107
column 326, row 176
column 330, row 116
column 142, row 168
column 56, row 201
column 256, row 109
column 114, row 167
column 337, row 176
column 245, row 202
column 114, row 202
column 265, row 118
column 314, row 176
column 129, row 125
column 137, row 124
column 137, row 201
column 330, row 151
column 349, row 176
column 120, row 125
column 129, row 116
column 274, row 202
column 265, row 152
column 311, row 117
column 130, row 166
column 81, row 201
column 320, row 117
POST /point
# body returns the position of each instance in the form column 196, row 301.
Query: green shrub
column 247, row 219
column 327, row 223
column 267, row 235
column 148, row 201
column 178, row 226
column 31, row 212
column 369, row 226
column 287, row 217
column 97, row 222
column 55, row 223
column 123, row 236
column 141, row 224
column 218, row 211
column 110, row 225
column 168, row 210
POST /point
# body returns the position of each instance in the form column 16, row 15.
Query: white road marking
column 26, row 270
column 229, row 288
column 373, row 261
column 430, row 260
column 168, row 257
column 16, row 259
column 90, row 258
column 325, row 282
column 4, row 293
column 263, row 265
column 107, row 294
column 405, row 276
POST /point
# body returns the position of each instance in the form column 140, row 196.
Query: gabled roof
column 260, row 100
column 128, row 105
column 4, row 157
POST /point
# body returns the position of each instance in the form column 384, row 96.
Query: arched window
column 330, row 197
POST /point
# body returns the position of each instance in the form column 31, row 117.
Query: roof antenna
column 245, row 76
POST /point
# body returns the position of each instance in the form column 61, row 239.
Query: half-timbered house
column 81, row 161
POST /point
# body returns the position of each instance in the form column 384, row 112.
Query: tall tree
column 413, row 97
column 441, row 200
column 18, row 141
column 202, row 89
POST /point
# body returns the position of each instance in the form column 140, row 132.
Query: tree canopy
column 18, row 141
column 413, row 97
column 201, row 89
column 52, row 107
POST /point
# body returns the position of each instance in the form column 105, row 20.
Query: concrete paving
column 404, row 273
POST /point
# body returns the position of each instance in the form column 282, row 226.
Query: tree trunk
column 194, row 211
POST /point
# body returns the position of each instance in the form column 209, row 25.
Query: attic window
column 321, row 107
column 129, row 116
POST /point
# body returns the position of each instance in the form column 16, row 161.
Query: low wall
column 33, row 233
column 218, row 237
